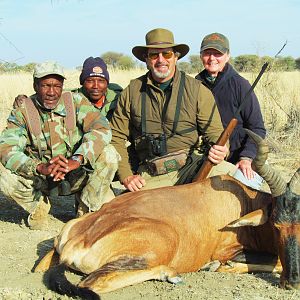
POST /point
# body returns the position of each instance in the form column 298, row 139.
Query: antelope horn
column 273, row 179
column 295, row 183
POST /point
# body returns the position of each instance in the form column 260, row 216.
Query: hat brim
column 48, row 73
column 221, row 49
column 140, row 51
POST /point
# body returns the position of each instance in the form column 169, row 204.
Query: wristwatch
column 77, row 158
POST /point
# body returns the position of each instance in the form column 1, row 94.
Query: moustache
column 161, row 65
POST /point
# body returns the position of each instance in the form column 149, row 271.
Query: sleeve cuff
column 246, row 158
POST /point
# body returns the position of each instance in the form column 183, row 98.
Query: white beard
column 162, row 75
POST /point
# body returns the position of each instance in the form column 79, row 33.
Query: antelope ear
column 255, row 218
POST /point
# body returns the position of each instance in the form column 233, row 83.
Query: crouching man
column 54, row 144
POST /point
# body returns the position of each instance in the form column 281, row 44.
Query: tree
column 184, row 66
column 246, row 63
column 285, row 63
column 29, row 67
column 297, row 62
column 196, row 63
column 111, row 58
column 125, row 62
column 9, row 67
column 269, row 60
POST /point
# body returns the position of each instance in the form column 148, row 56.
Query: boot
column 38, row 219
column 80, row 207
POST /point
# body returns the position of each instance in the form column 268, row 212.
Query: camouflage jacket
column 19, row 148
column 111, row 99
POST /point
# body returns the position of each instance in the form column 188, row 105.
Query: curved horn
column 273, row 179
column 295, row 183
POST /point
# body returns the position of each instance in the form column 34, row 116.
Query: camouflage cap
column 216, row 41
column 48, row 68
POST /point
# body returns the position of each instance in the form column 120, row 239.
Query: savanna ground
column 20, row 247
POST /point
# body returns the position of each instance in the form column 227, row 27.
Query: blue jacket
column 229, row 89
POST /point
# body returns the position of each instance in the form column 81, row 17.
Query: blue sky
column 68, row 31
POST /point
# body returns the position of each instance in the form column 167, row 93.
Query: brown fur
column 156, row 234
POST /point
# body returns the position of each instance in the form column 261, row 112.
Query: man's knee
column 109, row 156
column 19, row 189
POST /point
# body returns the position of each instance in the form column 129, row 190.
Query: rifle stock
column 207, row 164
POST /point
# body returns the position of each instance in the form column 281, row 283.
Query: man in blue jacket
column 229, row 88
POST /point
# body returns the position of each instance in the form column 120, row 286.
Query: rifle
column 207, row 164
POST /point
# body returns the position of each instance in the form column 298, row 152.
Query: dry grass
column 278, row 93
column 14, row 84
column 279, row 96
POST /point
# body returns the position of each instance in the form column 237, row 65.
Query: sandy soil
column 21, row 248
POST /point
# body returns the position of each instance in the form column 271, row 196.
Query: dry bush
column 279, row 96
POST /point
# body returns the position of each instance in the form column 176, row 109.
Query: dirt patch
column 21, row 248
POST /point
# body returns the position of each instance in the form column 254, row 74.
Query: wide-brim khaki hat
column 159, row 38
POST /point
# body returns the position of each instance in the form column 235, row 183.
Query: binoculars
column 157, row 146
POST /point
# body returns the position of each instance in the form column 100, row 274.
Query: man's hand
column 19, row 101
column 58, row 167
column 134, row 182
column 246, row 168
column 217, row 153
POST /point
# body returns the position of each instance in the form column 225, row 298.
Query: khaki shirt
column 198, row 110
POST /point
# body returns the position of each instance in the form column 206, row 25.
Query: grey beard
column 161, row 75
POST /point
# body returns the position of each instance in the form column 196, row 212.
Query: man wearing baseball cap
column 55, row 144
column 94, row 79
column 163, row 113
column 229, row 88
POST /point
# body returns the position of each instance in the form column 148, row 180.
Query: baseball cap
column 48, row 68
column 215, row 41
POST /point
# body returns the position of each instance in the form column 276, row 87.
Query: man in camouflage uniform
column 94, row 79
column 63, row 159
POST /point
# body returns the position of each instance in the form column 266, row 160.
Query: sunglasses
column 165, row 54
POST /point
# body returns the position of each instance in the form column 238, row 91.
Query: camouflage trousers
column 93, row 185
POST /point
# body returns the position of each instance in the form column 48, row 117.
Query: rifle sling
column 34, row 121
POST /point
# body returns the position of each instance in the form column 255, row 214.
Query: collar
column 100, row 102
column 212, row 80
column 165, row 85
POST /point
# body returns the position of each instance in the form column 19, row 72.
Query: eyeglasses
column 165, row 54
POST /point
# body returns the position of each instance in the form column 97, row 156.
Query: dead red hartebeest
column 160, row 233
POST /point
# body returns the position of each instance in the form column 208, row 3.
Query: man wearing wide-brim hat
column 162, row 114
